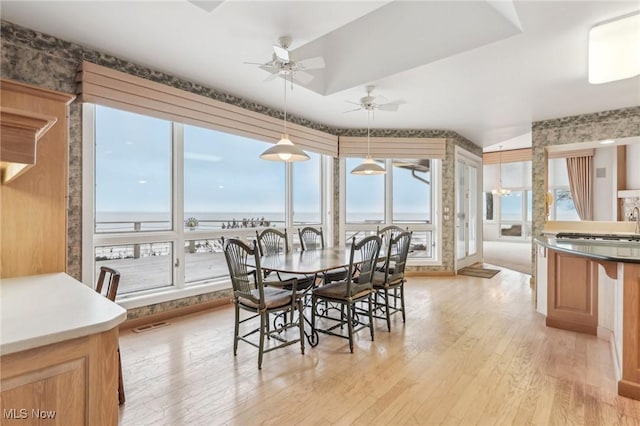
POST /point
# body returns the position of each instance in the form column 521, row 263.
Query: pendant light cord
column 285, row 105
column 368, row 130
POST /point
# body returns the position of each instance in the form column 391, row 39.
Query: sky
column 222, row 173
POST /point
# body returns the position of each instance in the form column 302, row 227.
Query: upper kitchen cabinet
column 34, row 139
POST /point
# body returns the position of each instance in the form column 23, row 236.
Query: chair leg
column 301, row 324
column 237, row 331
column 350, row 323
column 371, row 316
column 314, row 300
column 263, row 319
column 386, row 308
column 402, row 300
column 121, row 398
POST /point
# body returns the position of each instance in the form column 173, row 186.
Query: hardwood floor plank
column 473, row 351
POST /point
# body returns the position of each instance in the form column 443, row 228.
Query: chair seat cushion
column 338, row 290
column 335, row 275
column 378, row 280
column 273, row 298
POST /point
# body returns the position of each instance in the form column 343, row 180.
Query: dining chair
column 392, row 278
column 347, row 294
column 385, row 233
column 313, row 239
column 112, row 279
column 272, row 241
column 262, row 301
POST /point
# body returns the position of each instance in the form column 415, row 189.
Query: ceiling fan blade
column 302, row 77
column 281, row 53
column 388, row 107
column 256, row 63
column 351, row 110
column 312, row 63
column 206, row 5
column 269, row 68
column 353, row 103
column 272, row 77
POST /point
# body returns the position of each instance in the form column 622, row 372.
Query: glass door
column 468, row 224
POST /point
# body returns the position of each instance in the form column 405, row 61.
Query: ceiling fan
column 368, row 103
column 283, row 64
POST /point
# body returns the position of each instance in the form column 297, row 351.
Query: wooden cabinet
column 33, row 205
column 572, row 299
column 69, row 383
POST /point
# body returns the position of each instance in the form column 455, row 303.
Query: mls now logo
column 23, row 413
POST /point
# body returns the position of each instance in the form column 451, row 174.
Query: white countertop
column 39, row 310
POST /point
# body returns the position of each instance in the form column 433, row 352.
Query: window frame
column 177, row 235
column 434, row 227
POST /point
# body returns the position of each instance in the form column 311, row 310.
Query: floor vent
column 150, row 326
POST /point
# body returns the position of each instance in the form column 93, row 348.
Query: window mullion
column 388, row 192
column 178, row 205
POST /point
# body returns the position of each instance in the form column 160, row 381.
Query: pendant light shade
column 368, row 166
column 284, row 150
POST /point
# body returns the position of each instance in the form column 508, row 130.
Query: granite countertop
column 615, row 251
column 43, row 309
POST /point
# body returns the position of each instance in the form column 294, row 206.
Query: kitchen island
column 58, row 351
column 571, row 288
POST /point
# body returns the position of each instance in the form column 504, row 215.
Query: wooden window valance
column 387, row 147
column 108, row 87
column 507, row 156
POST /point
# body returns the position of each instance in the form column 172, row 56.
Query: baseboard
column 429, row 273
column 173, row 313
column 572, row 326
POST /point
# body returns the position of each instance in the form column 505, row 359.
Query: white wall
column 604, row 190
column 633, row 166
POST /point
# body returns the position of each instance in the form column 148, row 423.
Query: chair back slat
column 272, row 241
column 387, row 232
column 112, row 279
column 398, row 251
column 311, row 238
column 369, row 250
column 236, row 254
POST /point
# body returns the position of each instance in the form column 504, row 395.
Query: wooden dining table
column 308, row 263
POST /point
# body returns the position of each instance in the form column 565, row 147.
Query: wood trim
column 510, row 156
column 631, row 323
column 629, row 389
column 26, row 89
column 385, row 147
column 112, row 88
column 589, row 152
column 621, row 178
column 173, row 313
column 572, row 326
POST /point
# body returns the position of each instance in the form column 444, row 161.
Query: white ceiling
column 485, row 69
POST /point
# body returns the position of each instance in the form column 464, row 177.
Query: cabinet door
column 572, row 293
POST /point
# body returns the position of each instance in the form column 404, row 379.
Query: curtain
column 580, row 170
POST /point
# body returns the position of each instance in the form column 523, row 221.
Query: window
column 133, row 156
column 227, row 185
column 411, row 191
column 307, row 191
column 166, row 194
column 365, row 195
column 563, row 206
column 405, row 196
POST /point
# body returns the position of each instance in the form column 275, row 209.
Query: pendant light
column 368, row 166
column 500, row 191
column 284, row 150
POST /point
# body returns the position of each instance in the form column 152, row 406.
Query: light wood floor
column 473, row 351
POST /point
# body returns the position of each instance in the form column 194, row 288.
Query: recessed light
column 613, row 49
column 607, row 142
